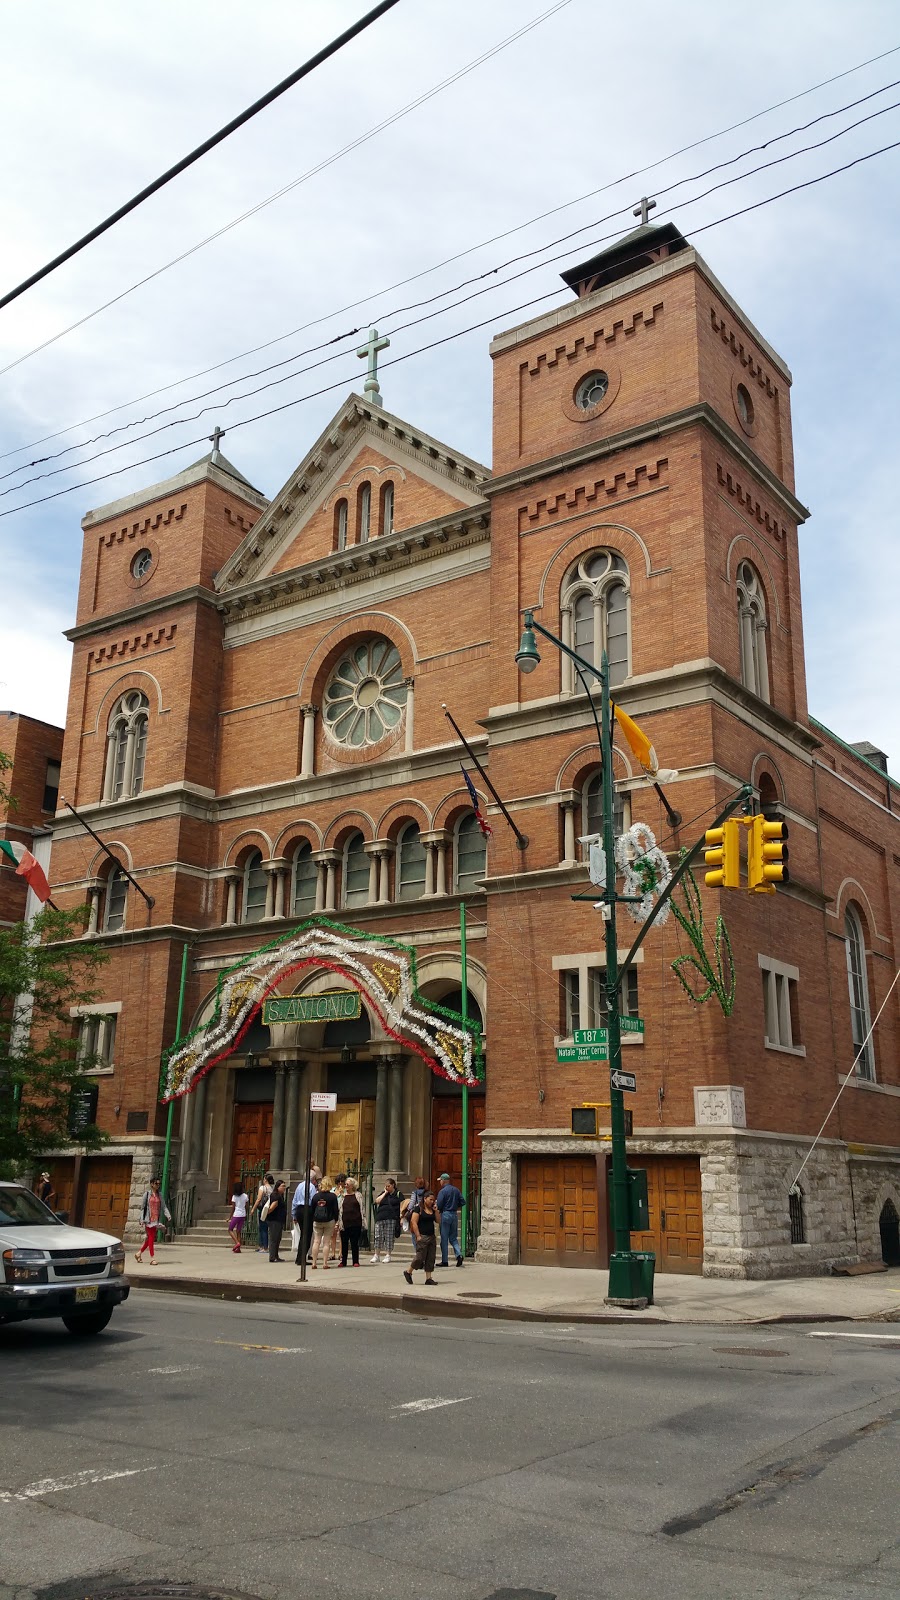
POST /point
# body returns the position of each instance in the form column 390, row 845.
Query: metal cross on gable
column 643, row 210
column 217, row 434
column 370, row 350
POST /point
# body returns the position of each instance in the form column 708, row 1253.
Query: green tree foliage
column 46, row 968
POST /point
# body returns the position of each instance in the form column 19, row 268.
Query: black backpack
column 321, row 1209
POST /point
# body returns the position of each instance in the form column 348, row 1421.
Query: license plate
column 87, row 1291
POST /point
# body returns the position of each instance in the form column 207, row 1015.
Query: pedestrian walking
column 325, row 1216
column 387, row 1220
column 263, row 1195
column 301, row 1211
column 414, row 1203
column 339, row 1189
column 276, row 1218
column 423, row 1223
column 45, row 1190
column 153, row 1210
column 351, row 1223
column 240, row 1200
column 449, row 1203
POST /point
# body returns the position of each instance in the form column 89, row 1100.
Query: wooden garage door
column 251, row 1137
column 446, row 1135
column 559, row 1212
column 676, row 1212
column 107, row 1185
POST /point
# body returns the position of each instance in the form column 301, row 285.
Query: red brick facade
column 35, row 750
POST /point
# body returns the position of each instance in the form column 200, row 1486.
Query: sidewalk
column 551, row 1294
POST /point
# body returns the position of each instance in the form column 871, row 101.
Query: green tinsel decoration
column 710, row 970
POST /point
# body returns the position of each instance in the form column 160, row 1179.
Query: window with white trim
column 751, row 603
column 126, row 746
column 781, row 1005
column 364, row 504
column 340, row 525
column 582, row 994
column 594, row 602
column 115, row 901
column 860, row 1019
column 387, row 510
column 410, row 863
column 304, row 880
column 97, row 1041
column 469, row 853
column 255, row 885
column 356, row 872
column 592, row 810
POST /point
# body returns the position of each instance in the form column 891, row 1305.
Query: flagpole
column 464, row 1009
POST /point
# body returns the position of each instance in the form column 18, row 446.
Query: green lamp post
column 625, row 1272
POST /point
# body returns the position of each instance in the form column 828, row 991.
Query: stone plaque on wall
column 720, row 1106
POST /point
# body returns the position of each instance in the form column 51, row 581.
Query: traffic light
column 767, row 854
column 723, row 856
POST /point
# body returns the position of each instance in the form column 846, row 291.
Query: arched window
column 364, row 507
column 797, row 1215
column 126, row 747
column 340, row 525
column 470, row 853
column 752, row 623
column 410, row 863
column 860, row 1020
column 768, row 793
column 255, row 883
column 356, row 872
column 115, row 901
column 592, row 809
column 387, row 509
column 304, row 879
column 594, row 603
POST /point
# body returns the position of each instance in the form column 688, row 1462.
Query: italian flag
column 20, row 857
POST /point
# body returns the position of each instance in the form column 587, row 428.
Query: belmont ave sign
column 339, row 1005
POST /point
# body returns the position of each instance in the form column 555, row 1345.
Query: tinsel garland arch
column 381, row 968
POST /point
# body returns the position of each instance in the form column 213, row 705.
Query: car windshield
column 20, row 1209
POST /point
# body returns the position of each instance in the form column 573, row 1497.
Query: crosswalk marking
column 433, row 1404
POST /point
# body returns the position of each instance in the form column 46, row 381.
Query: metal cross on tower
column 643, row 210
column 217, row 434
column 370, row 350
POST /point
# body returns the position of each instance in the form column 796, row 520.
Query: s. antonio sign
column 339, row 1005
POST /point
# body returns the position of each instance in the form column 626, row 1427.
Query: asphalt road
column 285, row 1453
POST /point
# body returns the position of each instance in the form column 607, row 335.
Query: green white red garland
column 645, row 869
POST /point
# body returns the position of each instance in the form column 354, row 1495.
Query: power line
column 553, row 211
column 311, row 173
column 488, row 272
column 441, row 311
column 287, row 405
column 204, row 148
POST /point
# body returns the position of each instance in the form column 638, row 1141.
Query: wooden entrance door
column 446, row 1135
column 351, row 1135
column 559, row 1212
column 251, row 1137
column 107, row 1186
column 62, row 1176
column 676, row 1212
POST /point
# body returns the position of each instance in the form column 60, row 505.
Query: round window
column 591, row 390
column 744, row 405
column 141, row 564
column 365, row 695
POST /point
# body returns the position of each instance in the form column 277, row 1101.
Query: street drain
column 485, row 1294
column 520, row 1594
column 143, row 1589
column 744, row 1350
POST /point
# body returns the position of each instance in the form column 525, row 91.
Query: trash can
column 647, row 1261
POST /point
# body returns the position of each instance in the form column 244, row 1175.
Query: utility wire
column 287, row 405
column 415, row 322
column 311, row 173
column 460, row 255
column 442, row 294
column 203, row 149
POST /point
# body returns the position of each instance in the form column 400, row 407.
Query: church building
column 257, row 730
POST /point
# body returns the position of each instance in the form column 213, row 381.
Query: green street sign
column 631, row 1024
column 581, row 1052
column 591, row 1036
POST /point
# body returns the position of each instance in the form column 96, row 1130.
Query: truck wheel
column 86, row 1322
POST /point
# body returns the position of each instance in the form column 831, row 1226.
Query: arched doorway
column 350, row 1137
column 889, row 1228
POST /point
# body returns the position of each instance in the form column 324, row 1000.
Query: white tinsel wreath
column 645, row 869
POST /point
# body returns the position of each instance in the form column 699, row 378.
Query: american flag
column 485, row 827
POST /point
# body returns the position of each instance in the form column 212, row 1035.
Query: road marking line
column 273, row 1349
column 894, row 1336
column 165, row 1372
column 75, row 1480
column 431, row 1405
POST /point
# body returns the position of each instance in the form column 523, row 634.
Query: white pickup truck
column 48, row 1269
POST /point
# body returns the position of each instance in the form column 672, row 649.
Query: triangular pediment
column 361, row 444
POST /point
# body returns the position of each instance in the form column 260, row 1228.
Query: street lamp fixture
column 527, row 657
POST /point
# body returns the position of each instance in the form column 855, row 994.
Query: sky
column 98, row 99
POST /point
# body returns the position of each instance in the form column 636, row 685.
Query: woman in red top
column 153, row 1209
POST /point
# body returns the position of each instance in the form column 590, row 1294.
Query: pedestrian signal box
column 723, row 856
column 584, row 1123
column 767, row 854
column 638, row 1203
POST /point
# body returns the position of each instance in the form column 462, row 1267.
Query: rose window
column 366, row 694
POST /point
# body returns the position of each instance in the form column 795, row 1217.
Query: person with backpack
column 387, row 1220
column 414, row 1203
column 275, row 1209
column 264, row 1195
column 423, row 1224
column 351, row 1223
column 325, row 1213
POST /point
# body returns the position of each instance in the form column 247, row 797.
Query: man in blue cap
column 449, row 1203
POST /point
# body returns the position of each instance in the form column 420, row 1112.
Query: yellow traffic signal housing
column 723, row 856
column 767, row 855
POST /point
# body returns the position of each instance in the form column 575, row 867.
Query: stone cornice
column 700, row 414
column 146, row 608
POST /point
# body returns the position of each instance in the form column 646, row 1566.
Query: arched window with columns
column 364, row 513
column 410, row 863
column 304, row 878
column 355, row 874
column 115, row 901
column 126, row 746
column 857, row 977
column 751, row 602
column 592, row 809
column 594, row 605
column 387, row 509
column 255, row 883
column 469, row 854
column 340, row 525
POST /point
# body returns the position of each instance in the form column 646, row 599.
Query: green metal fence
column 251, row 1178
column 473, row 1209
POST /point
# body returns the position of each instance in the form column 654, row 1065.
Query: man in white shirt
column 302, row 1210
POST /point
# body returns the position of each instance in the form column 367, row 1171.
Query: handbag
column 364, row 1241
column 265, row 1211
